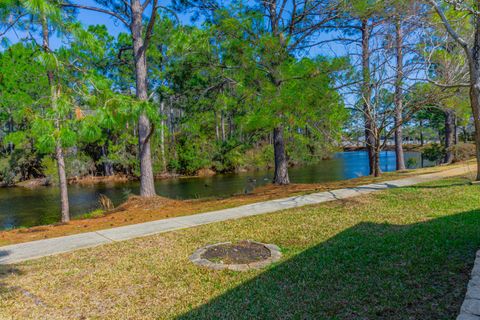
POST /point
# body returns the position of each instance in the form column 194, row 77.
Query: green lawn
column 400, row 254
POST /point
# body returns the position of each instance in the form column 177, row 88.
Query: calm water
column 24, row 207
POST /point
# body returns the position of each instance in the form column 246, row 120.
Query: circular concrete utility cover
column 239, row 256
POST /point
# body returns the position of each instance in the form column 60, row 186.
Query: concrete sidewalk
column 36, row 249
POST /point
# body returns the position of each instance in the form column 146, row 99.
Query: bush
column 229, row 156
column 412, row 163
column 260, row 157
column 434, row 152
column 193, row 154
column 463, row 151
column 50, row 169
column 79, row 165
column 7, row 176
column 20, row 165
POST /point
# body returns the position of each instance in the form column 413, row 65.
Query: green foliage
column 259, row 157
column 49, row 169
column 79, row 165
column 123, row 153
column 237, row 71
column 434, row 152
column 193, row 155
column 8, row 177
column 412, row 163
column 97, row 213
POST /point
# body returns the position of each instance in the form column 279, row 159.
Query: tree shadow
column 446, row 183
column 6, row 270
column 369, row 271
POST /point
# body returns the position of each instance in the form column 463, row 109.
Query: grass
column 97, row 213
column 155, row 209
column 404, row 253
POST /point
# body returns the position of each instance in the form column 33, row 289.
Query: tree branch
column 449, row 27
column 96, row 9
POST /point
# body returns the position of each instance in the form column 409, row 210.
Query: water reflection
column 24, row 207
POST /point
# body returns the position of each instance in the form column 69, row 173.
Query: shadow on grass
column 370, row 271
column 5, row 271
column 444, row 184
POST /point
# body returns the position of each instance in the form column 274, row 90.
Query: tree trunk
column 162, row 136
column 59, row 156
column 217, row 130
column 222, row 120
column 421, row 133
column 62, row 176
column 10, row 130
column 400, row 160
column 475, row 101
column 474, row 68
column 281, row 161
column 376, row 162
column 449, row 135
column 231, row 128
column 455, row 130
column 107, row 164
column 366, row 95
column 147, row 187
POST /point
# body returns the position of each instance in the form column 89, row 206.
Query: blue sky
column 87, row 18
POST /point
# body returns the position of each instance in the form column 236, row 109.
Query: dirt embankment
column 34, row 183
column 99, row 179
column 118, row 178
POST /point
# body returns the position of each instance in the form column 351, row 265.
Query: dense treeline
column 249, row 85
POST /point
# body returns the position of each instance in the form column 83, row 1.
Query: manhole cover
column 239, row 256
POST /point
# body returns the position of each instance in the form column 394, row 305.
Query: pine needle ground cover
column 404, row 253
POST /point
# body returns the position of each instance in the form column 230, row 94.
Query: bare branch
column 449, row 27
column 96, row 9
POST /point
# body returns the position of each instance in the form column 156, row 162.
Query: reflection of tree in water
column 251, row 184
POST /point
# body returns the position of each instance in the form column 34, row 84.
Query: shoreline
column 139, row 210
column 202, row 173
column 406, row 148
column 119, row 178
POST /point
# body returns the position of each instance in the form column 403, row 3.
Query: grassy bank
column 405, row 253
column 137, row 210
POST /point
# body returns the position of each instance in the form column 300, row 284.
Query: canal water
column 21, row 207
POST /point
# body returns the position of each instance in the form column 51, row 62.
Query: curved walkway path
column 36, row 249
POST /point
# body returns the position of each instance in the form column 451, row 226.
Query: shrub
column 79, row 165
column 412, row 163
column 260, row 157
column 50, row 169
column 20, row 165
column 193, row 154
column 229, row 156
column 434, row 152
column 7, row 176
column 463, row 151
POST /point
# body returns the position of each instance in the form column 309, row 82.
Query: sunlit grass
column 97, row 213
